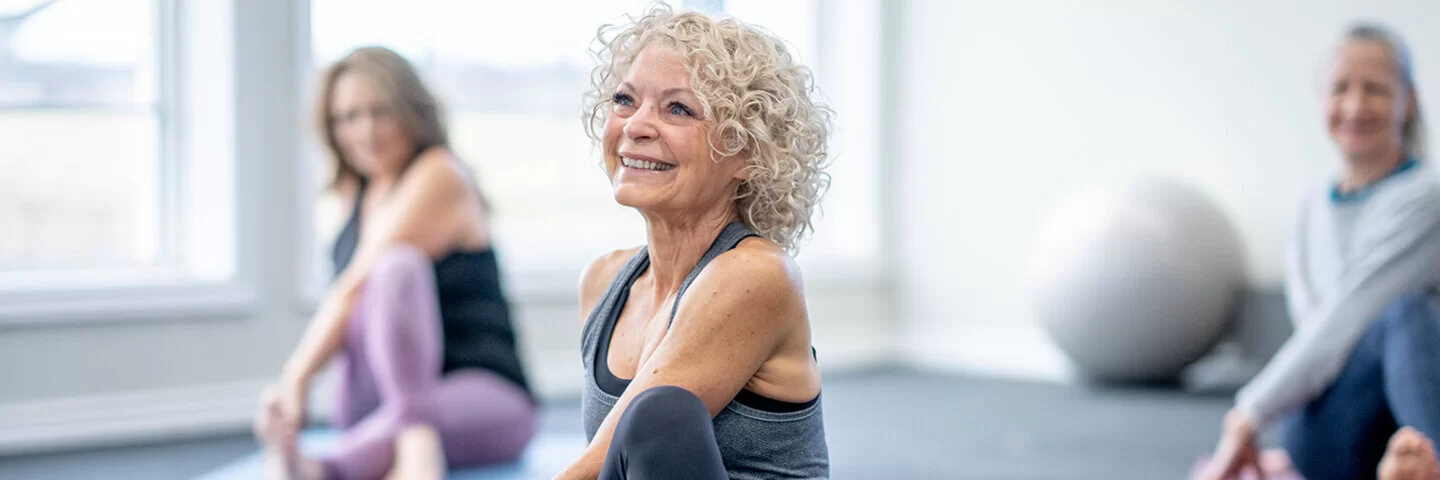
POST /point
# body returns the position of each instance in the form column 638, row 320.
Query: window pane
column 845, row 223
column 792, row 20
column 78, row 89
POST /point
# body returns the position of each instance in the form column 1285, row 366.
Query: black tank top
column 473, row 308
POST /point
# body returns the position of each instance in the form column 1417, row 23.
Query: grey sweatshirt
column 1349, row 256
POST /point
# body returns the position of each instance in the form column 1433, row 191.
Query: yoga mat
column 545, row 457
column 1275, row 462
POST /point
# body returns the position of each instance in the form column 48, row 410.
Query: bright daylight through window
column 83, row 155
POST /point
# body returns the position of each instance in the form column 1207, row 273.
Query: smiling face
column 1368, row 103
column 656, row 141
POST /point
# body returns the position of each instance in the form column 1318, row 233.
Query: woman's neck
column 677, row 243
column 380, row 183
column 1362, row 171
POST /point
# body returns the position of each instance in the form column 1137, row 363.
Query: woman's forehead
column 658, row 64
column 352, row 87
column 1361, row 55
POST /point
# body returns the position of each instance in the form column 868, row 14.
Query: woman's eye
column 678, row 108
column 1376, row 89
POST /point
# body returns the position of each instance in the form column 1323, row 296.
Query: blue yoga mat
column 545, row 457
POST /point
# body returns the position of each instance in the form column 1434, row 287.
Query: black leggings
column 665, row 433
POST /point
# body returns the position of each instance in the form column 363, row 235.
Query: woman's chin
column 370, row 166
column 630, row 199
column 1360, row 147
column 635, row 196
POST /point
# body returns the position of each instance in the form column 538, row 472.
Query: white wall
column 1004, row 106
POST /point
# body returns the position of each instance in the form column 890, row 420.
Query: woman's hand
column 281, row 415
column 1239, row 449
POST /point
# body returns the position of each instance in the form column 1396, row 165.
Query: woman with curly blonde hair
column 697, row 345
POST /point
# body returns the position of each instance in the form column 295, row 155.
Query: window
column 511, row 75
column 117, row 139
column 82, row 150
column 846, row 242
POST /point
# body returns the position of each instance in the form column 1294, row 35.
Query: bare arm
column 432, row 189
column 734, row 317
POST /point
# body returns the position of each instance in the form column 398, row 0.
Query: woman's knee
column 665, row 399
column 662, row 409
column 1411, row 312
column 400, row 271
column 399, row 290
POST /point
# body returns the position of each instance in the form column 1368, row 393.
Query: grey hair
column 1412, row 135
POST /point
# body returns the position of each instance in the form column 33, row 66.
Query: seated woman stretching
column 696, row 346
column 430, row 373
column 1359, row 381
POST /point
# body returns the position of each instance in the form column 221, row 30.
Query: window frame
column 199, row 273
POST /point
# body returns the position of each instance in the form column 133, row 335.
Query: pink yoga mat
column 1275, row 462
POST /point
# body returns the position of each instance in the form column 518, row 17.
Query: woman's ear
column 1412, row 116
column 742, row 173
column 1414, row 113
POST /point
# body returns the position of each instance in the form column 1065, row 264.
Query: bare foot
column 418, row 455
column 1410, row 456
column 280, row 466
column 283, row 461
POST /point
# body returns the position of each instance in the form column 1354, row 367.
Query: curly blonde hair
column 757, row 97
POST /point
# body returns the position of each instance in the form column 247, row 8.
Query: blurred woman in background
column 429, row 372
column 1358, row 383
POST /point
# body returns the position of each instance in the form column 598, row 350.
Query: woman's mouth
column 644, row 164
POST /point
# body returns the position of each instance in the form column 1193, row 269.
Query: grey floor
column 884, row 424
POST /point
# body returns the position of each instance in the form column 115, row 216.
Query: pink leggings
column 390, row 380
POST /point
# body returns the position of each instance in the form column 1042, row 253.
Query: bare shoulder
column 436, row 170
column 603, row 269
column 442, row 154
column 760, row 262
column 598, row 275
column 756, row 276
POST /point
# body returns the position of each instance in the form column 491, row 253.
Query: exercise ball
column 1135, row 279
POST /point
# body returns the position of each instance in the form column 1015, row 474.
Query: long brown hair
column 415, row 107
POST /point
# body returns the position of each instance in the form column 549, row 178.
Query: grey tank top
column 759, row 439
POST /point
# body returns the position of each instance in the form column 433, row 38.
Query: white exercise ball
column 1135, row 279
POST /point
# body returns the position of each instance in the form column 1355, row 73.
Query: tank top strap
column 348, row 240
column 726, row 241
column 607, row 309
